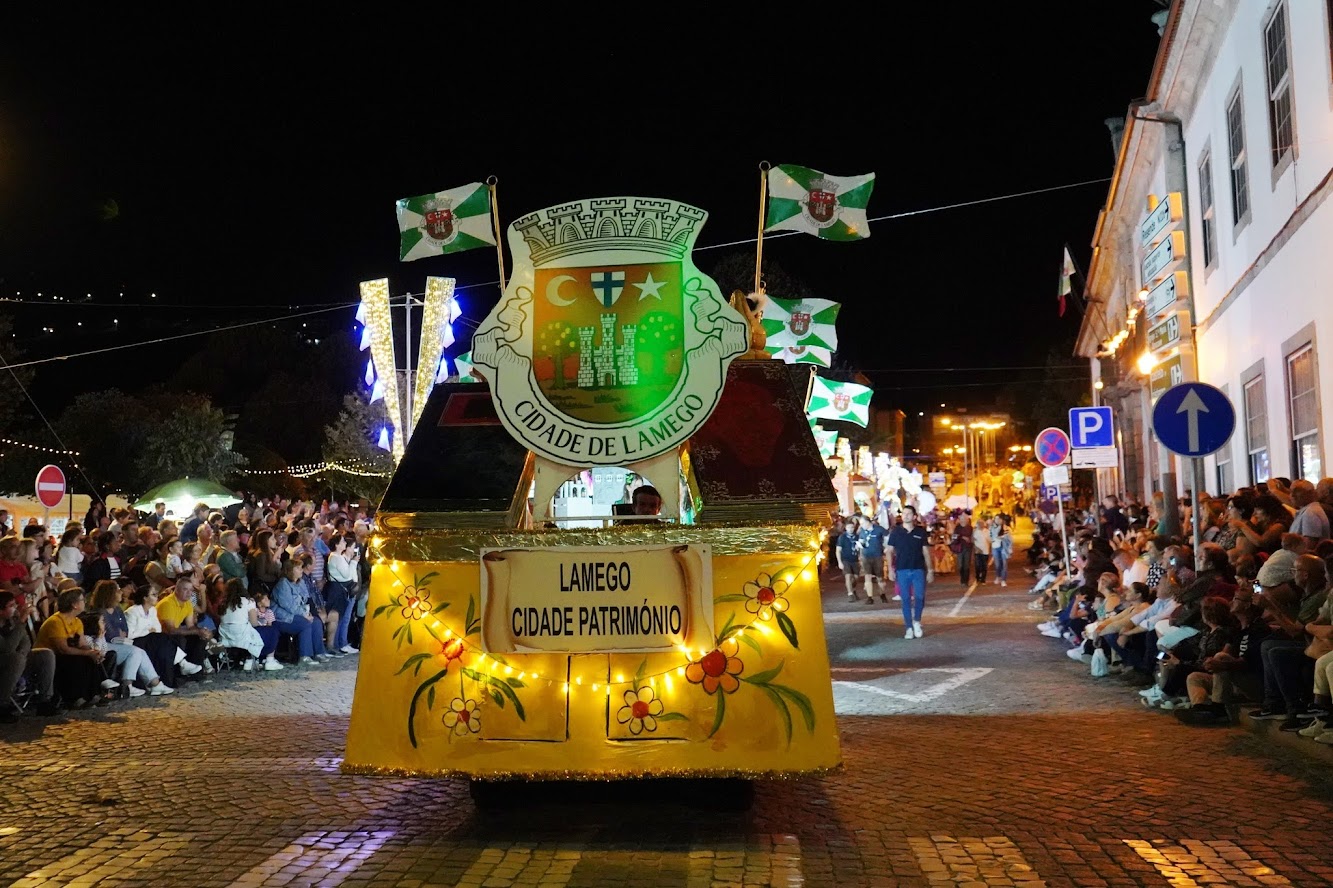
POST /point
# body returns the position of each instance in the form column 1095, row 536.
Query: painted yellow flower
column 462, row 717
column 766, row 595
column 718, row 668
column 640, row 710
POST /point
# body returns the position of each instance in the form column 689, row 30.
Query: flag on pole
column 463, row 366
column 846, row 401
column 827, row 439
column 445, row 222
column 801, row 354
column 1066, row 272
column 831, row 207
column 795, row 322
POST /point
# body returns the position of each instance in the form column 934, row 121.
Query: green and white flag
column 831, row 207
column 801, row 354
column 794, row 322
column 445, row 222
column 846, row 401
column 827, row 439
column 463, row 367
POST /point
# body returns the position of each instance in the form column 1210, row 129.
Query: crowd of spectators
column 127, row 605
column 1247, row 622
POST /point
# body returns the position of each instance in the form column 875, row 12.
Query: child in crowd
column 239, row 627
column 175, row 564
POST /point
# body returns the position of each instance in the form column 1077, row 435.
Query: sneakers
column 1052, row 633
column 1268, row 713
column 160, row 690
column 309, row 661
column 1177, row 704
column 271, row 664
column 870, row 600
column 248, row 665
column 908, row 633
column 1293, row 722
column 1153, row 691
column 188, row 668
column 884, row 597
column 331, row 655
column 1049, row 624
column 208, row 666
column 1075, row 654
column 136, row 692
column 1003, row 584
column 348, row 649
column 1315, row 728
column 897, row 597
column 109, row 685
column 851, row 596
column 1326, row 738
column 916, row 629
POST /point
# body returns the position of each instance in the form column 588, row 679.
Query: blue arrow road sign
column 1193, row 419
column 1091, row 427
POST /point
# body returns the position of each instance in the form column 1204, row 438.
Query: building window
column 1226, row 484
column 1256, row 430
column 1303, row 390
column 1206, row 201
column 1240, row 178
column 1277, row 59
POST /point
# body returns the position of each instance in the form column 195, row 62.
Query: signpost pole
column 1196, row 482
column 1064, row 534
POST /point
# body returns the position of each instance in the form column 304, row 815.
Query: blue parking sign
column 1091, row 427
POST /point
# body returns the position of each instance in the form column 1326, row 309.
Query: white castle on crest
column 607, row 364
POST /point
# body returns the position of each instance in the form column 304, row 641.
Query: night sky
column 234, row 171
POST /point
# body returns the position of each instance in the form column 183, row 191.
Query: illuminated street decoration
column 609, row 344
column 437, row 334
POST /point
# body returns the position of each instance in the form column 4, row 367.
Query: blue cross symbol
column 608, row 286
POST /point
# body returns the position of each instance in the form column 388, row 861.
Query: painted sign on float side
column 608, row 346
column 603, row 599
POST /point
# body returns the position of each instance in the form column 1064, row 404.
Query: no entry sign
column 50, row 486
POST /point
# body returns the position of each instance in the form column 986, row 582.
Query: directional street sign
column 1166, row 334
column 1193, row 419
column 1170, row 251
column 1163, row 297
column 1166, row 374
column 1091, row 427
column 50, row 486
column 1167, row 213
column 1051, row 446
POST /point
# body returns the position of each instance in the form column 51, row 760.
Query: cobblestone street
column 978, row 755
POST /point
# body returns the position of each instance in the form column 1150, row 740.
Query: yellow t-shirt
column 56, row 626
column 174, row 610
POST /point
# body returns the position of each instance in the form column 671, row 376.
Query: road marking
column 992, row 860
column 554, row 868
column 1195, row 864
column 957, row 678
column 320, row 857
column 128, row 852
column 962, row 601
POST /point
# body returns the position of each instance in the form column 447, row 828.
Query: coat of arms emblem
column 842, row 402
column 438, row 220
column 821, row 203
column 799, row 322
column 608, row 345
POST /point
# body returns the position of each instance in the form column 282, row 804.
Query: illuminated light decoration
column 377, row 391
column 38, row 448
column 442, row 374
column 370, row 371
column 365, row 338
column 435, row 330
column 383, row 442
column 361, row 314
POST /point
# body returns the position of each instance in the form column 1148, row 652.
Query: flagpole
column 764, row 167
column 491, row 182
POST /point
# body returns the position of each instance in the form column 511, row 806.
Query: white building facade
column 1248, row 84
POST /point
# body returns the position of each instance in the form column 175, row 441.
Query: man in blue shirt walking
column 872, row 558
column 910, row 569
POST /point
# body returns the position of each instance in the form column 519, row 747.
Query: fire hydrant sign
column 603, row 599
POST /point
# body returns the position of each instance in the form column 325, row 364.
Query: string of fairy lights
column 454, row 645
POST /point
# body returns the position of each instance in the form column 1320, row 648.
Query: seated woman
column 145, row 630
column 1185, row 660
column 239, row 627
column 78, row 677
column 294, row 614
column 132, row 662
column 1236, row 671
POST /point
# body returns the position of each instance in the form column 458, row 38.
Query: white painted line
column 328, row 866
column 1194, row 864
column 962, row 601
column 957, row 678
column 993, row 860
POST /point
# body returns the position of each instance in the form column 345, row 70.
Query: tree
column 108, row 428
column 735, row 271
column 658, row 335
column 351, row 439
column 188, row 438
column 557, row 341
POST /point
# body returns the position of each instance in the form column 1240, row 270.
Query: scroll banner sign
column 603, row 599
column 608, row 346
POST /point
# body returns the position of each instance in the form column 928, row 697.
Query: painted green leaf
column 781, row 706
column 673, row 717
column 414, row 660
column 498, row 698
column 430, row 698
column 514, row 683
column 788, row 629
column 802, row 703
column 471, row 616
column 751, row 641
column 642, row 670
column 721, row 711
column 723, row 599
column 439, row 607
column 381, row 609
column 422, row 581
column 763, row 678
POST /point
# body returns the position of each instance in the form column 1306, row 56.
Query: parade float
column 503, row 639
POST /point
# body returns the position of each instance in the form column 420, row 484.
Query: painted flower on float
column 766, row 595
column 416, row 603
column 452, row 649
column 717, row 669
column 640, row 711
column 462, row 717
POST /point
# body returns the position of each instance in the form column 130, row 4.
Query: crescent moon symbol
column 553, row 290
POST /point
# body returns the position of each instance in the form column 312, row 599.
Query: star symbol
column 650, row 287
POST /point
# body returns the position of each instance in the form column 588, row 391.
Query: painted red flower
column 717, row 669
column 452, row 649
column 766, row 596
column 640, row 710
